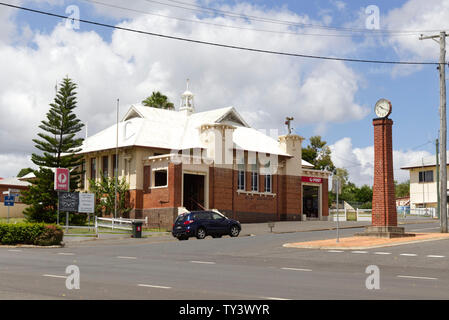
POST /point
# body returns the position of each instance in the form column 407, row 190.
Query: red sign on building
column 311, row 179
column 62, row 179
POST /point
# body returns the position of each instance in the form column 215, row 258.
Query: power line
column 219, row 44
column 239, row 27
column 209, row 10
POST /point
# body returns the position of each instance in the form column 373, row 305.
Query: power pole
column 438, row 181
column 443, row 131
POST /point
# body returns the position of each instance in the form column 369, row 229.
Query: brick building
column 181, row 160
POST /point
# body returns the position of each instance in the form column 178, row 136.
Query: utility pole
column 443, row 130
column 116, row 164
column 438, row 181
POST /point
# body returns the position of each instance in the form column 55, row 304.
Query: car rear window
column 201, row 216
column 181, row 218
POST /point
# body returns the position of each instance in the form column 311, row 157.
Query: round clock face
column 383, row 108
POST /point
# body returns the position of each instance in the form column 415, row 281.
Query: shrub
column 30, row 233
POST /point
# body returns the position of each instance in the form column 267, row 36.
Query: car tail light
column 188, row 222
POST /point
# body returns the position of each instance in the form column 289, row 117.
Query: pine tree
column 58, row 145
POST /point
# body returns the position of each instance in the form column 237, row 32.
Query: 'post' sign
column 62, row 179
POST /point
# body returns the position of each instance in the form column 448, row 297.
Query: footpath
column 248, row 229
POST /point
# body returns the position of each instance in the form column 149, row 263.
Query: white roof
column 429, row 161
column 174, row 130
column 14, row 182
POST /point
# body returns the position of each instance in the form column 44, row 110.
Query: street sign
column 336, row 185
column 9, row 201
column 68, row 201
column 86, row 203
column 62, row 179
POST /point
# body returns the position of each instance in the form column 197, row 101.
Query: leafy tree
column 318, row 154
column 58, row 146
column 402, row 189
column 23, row 172
column 158, row 100
column 104, row 191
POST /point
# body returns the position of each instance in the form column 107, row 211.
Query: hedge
column 40, row 234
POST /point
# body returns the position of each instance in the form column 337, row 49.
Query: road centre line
column 124, row 257
column 359, row 251
column 434, row 256
column 153, row 286
column 15, row 250
column 408, row 254
column 414, row 277
column 296, row 269
column 274, row 298
column 382, row 253
column 54, row 276
column 335, row 251
column 203, row 262
column 66, row 253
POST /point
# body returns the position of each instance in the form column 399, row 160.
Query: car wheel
column 201, row 233
column 234, row 231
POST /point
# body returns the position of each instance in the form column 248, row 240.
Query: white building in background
column 423, row 182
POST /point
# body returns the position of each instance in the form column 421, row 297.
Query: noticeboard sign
column 62, row 179
column 86, row 203
column 69, row 201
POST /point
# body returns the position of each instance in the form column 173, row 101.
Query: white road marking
column 274, row 298
column 408, row 254
column 204, row 262
column 359, row 251
column 54, row 276
column 413, row 277
column 66, row 253
column 153, row 286
column 382, row 252
column 296, row 269
column 15, row 250
column 434, row 256
column 335, row 251
column 123, row 257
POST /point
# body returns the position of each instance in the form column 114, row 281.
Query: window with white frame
column 160, row 178
column 254, row 179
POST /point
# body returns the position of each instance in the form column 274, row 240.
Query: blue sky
column 332, row 99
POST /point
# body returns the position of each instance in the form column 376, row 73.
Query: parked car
column 204, row 223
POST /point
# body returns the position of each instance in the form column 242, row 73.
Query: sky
column 333, row 99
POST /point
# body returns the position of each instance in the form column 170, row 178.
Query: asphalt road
column 253, row 267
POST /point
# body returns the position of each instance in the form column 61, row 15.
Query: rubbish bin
column 137, row 229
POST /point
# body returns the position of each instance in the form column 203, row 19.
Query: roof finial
column 187, row 84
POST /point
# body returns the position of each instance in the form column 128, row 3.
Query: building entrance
column 193, row 196
column 310, row 201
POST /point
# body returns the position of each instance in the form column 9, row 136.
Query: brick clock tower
column 384, row 215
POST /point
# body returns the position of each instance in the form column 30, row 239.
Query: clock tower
column 384, row 215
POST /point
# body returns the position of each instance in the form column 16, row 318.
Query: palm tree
column 158, row 100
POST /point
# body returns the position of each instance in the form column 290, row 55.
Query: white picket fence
column 364, row 215
column 342, row 214
column 119, row 223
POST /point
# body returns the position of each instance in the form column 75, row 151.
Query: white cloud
column 417, row 15
column 13, row 163
column 360, row 161
column 265, row 88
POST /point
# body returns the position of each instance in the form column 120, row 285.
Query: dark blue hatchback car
column 203, row 223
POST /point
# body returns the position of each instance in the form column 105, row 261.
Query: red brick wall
column 223, row 195
column 384, row 206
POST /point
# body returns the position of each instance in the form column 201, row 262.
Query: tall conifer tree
column 58, row 146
